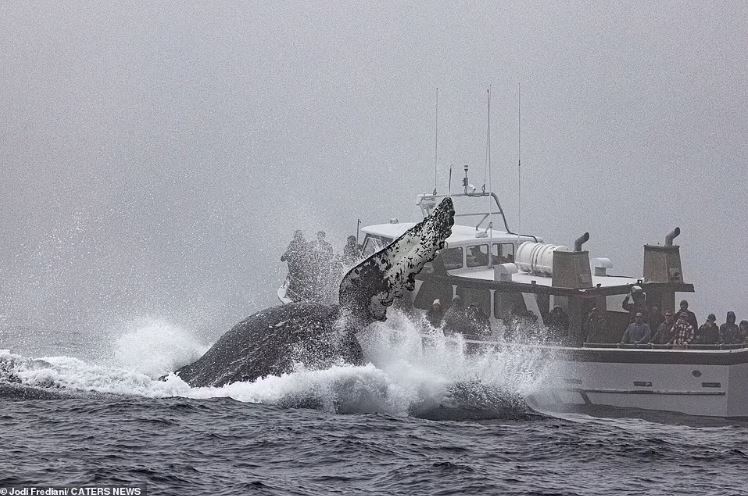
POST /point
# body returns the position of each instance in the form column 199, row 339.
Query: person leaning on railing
column 665, row 331
column 638, row 332
column 729, row 333
column 708, row 333
column 683, row 331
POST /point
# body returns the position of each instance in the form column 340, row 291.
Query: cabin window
column 452, row 258
column 502, row 253
column 477, row 256
column 373, row 244
column 506, row 304
column 478, row 297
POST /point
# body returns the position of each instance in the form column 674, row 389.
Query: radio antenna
column 519, row 159
column 436, row 138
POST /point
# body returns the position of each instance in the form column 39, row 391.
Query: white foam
column 403, row 374
column 156, row 347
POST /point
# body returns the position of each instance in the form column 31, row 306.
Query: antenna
column 519, row 159
column 436, row 138
column 488, row 158
column 450, row 180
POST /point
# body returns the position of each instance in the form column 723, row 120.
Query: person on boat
column 352, row 251
column 595, row 327
column 638, row 332
column 655, row 318
column 636, row 302
column 708, row 333
column 296, row 256
column 476, row 257
column 479, row 322
column 321, row 247
column 435, row 314
column 558, row 324
column 455, row 318
column 744, row 330
column 729, row 333
column 683, row 331
column 320, row 268
column 665, row 331
column 690, row 316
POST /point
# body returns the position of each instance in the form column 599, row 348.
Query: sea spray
column 406, row 375
column 156, row 347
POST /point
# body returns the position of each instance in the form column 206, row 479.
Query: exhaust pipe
column 671, row 236
column 580, row 241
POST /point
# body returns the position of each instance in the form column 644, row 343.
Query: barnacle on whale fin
column 370, row 287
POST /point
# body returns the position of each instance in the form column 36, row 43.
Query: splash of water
column 435, row 378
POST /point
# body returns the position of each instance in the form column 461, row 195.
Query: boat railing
column 651, row 346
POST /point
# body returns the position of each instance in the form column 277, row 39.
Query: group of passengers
column 470, row 321
column 313, row 268
column 680, row 328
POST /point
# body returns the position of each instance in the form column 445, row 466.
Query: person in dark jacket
column 690, row 316
column 665, row 332
column 708, row 333
column 351, row 251
column 638, row 332
column 297, row 256
column 595, row 327
column 455, row 319
column 729, row 333
column 743, row 327
column 655, row 318
column 435, row 314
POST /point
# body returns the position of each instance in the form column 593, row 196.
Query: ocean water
column 414, row 420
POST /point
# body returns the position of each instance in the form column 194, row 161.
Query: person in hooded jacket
column 729, row 333
column 708, row 333
column 743, row 328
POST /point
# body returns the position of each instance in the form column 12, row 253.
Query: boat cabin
column 506, row 274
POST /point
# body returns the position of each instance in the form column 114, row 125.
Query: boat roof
column 529, row 278
column 461, row 235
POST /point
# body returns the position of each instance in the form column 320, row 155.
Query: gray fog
column 155, row 157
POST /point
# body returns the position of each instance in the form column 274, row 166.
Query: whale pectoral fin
column 370, row 287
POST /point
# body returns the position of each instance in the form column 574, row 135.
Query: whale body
column 272, row 341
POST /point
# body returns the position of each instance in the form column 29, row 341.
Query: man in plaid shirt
column 683, row 332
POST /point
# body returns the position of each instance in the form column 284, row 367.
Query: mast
column 488, row 160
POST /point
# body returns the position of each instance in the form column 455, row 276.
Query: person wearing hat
column 435, row 314
column 636, row 302
column 708, row 333
column 690, row 316
column 665, row 331
column 638, row 332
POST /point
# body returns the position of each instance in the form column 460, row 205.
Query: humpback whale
column 272, row 341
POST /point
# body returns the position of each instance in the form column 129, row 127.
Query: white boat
column 504, row 273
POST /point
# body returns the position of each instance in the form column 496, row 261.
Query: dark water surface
column 62, row 423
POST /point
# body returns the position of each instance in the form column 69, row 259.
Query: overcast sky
column 157, row 156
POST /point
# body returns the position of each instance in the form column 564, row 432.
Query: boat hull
column 712, row 383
